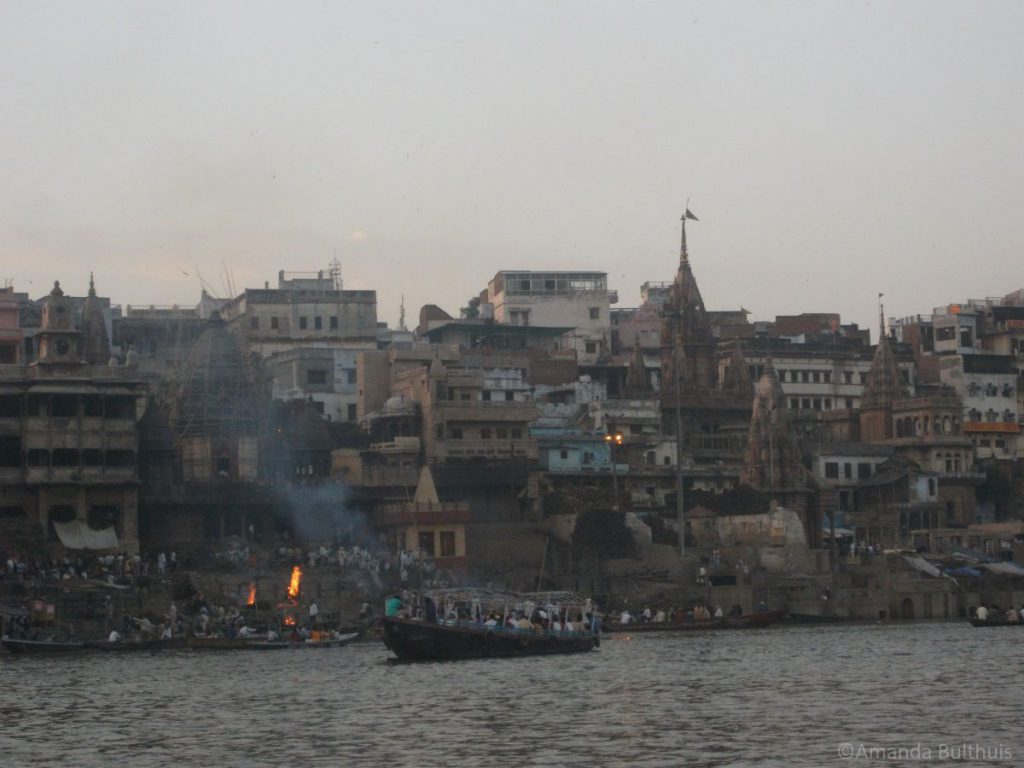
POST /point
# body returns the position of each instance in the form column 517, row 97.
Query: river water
column 787, row 696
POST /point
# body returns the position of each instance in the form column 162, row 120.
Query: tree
column 472, row 309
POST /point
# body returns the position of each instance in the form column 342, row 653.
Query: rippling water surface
column 781, row 696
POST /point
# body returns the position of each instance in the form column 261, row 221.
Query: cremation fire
column 252, row 595
column 289, row 620
column 293, row 585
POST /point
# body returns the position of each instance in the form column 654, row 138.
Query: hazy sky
column 832, row 150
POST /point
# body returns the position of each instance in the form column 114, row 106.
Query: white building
column 578, row 300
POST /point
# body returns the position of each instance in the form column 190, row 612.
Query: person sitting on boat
column 429, row 610
column 392, row 605
column 165, row 634
column 762, row 607
column 646, row 615
column 736, row 610
column 981, row 613
column 1012, row 616
column 719, row 613
column 659, row 617
column 625, row 617
column 114, row 636
column 522, row 622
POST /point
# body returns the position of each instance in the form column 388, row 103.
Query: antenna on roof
column 335, row 271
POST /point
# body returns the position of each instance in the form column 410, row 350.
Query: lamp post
column 613, row 440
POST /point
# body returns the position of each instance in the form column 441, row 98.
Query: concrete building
column 577, row 300
column 11, row 335
column 305, row 309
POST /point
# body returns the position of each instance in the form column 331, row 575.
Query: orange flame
column 252, row 595
column 293, row 585
column 289, row 621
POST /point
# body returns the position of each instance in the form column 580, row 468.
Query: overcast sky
column 831, row 150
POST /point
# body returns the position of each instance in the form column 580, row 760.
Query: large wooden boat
column 413, row 640
column 466, row 635
column 748, row 621
column 15, row 645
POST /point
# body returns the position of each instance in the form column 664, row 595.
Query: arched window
column 899, row 427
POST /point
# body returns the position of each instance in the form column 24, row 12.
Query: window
column 352, row 412
column 847, row 377
column 849, row 402
column 828, row 403
column 275, row 323
column 595, row 313
column 517, row 434
column 590, row 347
column 465, row 397
column 65, row 457
column 455, row 433
column 350, row 376
column 863, row 471
column 588, row 457
column 816, row 377
column 254, row 323
column 502, row 434
column 794, row 403
column 510, row 396
column 120, row 458
column 92, row 457
column 10, row 451
column 439, row 432
column 827, row 375
column 806, row 403
column 447, row 543
column 334, row 322
column 303, row 323
column 318, row 323
column 37, row 457
column 10, row 406
column 485, row 434
column 563, row 454
column 817, row 403
column 486, row 396
column 805, row 376
column 847, row 470
column 316, row 377
column 832, row 470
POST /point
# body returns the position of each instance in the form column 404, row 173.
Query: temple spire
column 881, row 318
column 92, row 286
column 684, row 257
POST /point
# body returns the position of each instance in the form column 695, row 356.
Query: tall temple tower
column 771, row 461
column 96, row 342
column 880, row 390
column 685, row 320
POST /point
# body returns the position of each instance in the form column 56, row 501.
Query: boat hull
column 126, row 646
column 420, row 641
column 40, row 646
column 749, row 621
column 994, row 623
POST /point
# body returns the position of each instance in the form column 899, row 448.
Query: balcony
column 398, row 445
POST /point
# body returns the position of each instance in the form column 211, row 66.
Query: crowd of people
column 121, row 569
column 995, row 613
column 697, row 612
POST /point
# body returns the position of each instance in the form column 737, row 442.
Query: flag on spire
column 689, row 215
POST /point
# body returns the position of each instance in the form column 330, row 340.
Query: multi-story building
column 69, row 436
column 577, row 300
column 303, row 310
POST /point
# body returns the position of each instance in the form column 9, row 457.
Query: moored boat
column 16, row 645
column 746, row 621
